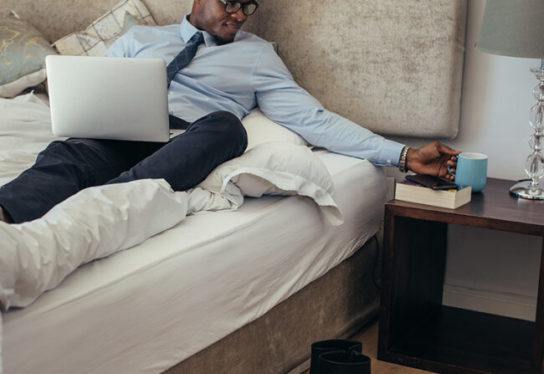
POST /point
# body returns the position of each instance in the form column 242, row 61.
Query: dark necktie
column 184, row 57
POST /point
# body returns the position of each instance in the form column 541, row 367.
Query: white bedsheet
column 143, row 310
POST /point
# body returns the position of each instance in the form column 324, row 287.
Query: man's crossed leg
column 66, row 167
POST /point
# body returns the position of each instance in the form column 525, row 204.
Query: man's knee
column 229, row 128
column 233, row 127
column 225, row 121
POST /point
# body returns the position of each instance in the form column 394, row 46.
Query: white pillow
column 99, row 35
column 261, row 130
column 277, row 168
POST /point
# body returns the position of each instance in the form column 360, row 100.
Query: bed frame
column 393, row 66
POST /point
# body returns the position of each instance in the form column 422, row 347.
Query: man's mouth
column 234, row 26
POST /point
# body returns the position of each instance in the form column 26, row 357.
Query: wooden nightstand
column 415, row 328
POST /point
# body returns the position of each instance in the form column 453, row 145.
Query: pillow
column 276, row 168
column 96, row 39
column 261, row 130
column 22, row 56
column 130, row 21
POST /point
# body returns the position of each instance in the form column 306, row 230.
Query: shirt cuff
column 390, row 153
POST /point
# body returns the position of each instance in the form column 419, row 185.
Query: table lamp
column 516, row 28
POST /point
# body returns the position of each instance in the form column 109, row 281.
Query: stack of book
column 409, row 191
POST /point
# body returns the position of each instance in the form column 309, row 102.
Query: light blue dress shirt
column 239, row 76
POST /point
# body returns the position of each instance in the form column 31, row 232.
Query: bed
column 249, row 287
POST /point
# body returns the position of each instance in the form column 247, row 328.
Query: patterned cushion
column 95, row 39
column 130, row 21
column 22, row 56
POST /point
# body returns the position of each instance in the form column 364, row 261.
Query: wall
column 487, row 270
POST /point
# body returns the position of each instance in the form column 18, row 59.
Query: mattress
column 147, row 308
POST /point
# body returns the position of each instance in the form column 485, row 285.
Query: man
column 231, row 73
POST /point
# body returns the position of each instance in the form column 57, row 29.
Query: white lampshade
column 513, row 28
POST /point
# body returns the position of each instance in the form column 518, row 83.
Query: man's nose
column 239, row 16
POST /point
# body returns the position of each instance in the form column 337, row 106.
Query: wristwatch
column 402, row 159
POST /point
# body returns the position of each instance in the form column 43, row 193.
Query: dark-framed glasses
column 248, row 7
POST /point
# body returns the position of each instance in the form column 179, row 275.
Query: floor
column 369, row 338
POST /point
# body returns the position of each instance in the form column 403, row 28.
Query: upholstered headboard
column 393, row 66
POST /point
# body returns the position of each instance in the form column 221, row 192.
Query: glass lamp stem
column 534, row 166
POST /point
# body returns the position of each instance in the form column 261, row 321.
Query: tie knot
column 197, row 38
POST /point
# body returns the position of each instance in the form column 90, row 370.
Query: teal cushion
column 22, row 56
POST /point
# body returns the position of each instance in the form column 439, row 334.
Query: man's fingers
column 442, row 148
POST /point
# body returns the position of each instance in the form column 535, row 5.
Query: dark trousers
column 66, row 167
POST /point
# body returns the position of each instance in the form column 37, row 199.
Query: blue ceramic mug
column 471, row 171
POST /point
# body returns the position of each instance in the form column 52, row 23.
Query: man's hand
column 434, row 159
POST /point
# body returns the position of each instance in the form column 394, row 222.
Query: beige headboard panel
column 393, row 66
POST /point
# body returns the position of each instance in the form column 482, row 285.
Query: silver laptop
column 108, row 98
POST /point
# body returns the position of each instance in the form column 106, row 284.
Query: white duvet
column 98, row 221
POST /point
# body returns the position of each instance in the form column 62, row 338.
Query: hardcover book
column 415, row 193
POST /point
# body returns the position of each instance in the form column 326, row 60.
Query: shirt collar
column 187, row 30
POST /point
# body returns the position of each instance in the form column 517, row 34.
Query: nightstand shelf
column 462, row 338
column 415, row 328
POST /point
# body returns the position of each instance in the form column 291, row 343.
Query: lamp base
column 523, row 191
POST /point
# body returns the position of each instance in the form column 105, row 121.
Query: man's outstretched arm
column 282, row 100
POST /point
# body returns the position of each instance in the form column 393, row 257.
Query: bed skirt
column 334, row 306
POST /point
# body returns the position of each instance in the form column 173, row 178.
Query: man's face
column 210, row 16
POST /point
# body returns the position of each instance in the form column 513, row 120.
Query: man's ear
column 197, row 5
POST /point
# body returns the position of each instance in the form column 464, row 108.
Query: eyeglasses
column 248, row 8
